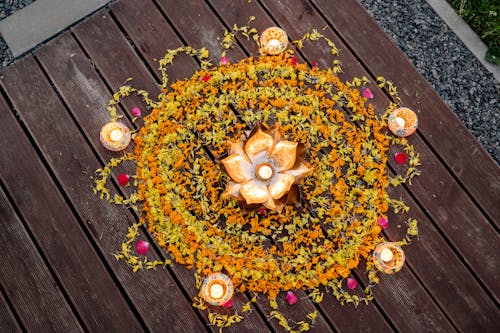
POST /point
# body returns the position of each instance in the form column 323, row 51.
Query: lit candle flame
column 216, row 291
column 265, row 172
column 115, row 135
column 386, row 255
column 273, row 42
column 400, row 122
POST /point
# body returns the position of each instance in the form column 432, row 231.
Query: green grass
column 483, row 16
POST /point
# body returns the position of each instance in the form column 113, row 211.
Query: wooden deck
column 57, row 272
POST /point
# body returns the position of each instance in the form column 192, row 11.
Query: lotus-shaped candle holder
column 264, row 168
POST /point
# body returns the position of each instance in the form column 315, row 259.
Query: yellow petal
column 254, row 192
column 280, row 185
column 257, row 143
column 284, row 154
column 300, row 169
column 238, row 167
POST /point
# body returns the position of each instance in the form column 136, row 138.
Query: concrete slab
column 43, row 19
column 465, row 33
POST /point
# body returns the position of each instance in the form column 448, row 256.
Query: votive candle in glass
column 273, row 41
column 388, row 257
column 217, row 289
column 115, row 136
column 403, row 122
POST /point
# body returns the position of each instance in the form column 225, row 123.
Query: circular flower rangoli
column 329, row 227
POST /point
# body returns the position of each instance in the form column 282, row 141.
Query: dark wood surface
column 57, row 271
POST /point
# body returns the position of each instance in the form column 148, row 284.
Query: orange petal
column 254, row 192
column 238, row 167
column 280, row 185
column 299, row 171
column 284, row 154
column 257, row 143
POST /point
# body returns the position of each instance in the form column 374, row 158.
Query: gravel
column 440, row 56
column 469, row 89
column 8, row 7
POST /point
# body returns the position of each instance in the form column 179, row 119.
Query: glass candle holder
column 388, row 257
column 115, row 136
column 217, row 289
column 403, row 122
column 273, row 41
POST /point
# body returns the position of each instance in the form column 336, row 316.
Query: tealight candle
column 264, row 171
column 388, row 257
column 217, row 289
column 403, row 122
column 273, row 40
column 115, row 136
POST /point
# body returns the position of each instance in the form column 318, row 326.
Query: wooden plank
column 8, row 321
column 450, row 208
column 454, row 287
column 152, row 36
column 461, row 152
column 27, row 281
column 69, row 252
column 152, row 292
column 101, row 24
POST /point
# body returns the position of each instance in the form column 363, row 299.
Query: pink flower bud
column 142, row 247
column 382, row 221
column 367, row 93
column 228, row 304
column 136, row 111
column 123, row 179
column 291, row 298
column 352, row 283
